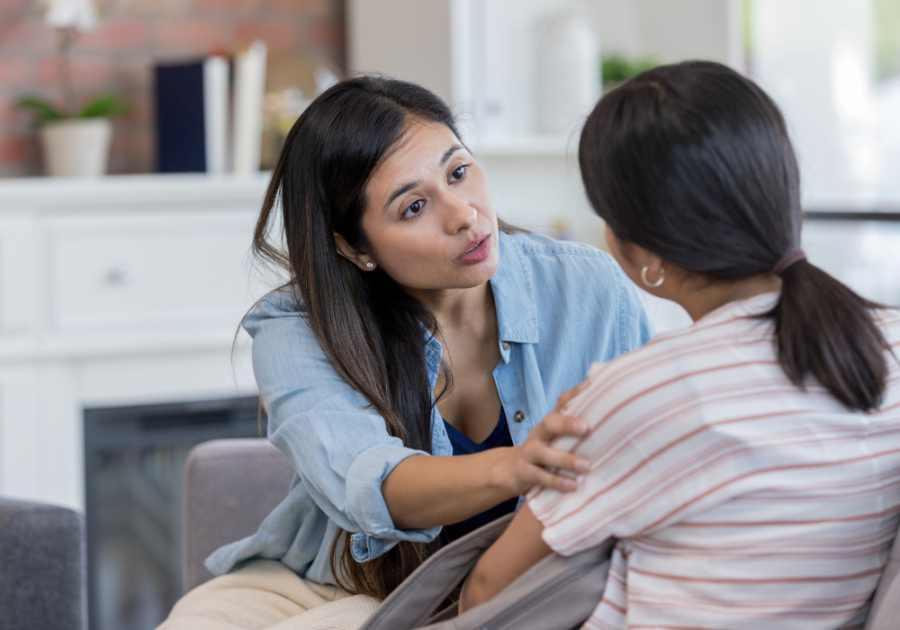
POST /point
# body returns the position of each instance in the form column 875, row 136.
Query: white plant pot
column 77, row 147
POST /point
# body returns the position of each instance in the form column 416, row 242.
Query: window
column 833, row 66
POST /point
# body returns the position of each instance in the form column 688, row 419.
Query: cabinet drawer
column 150, row 270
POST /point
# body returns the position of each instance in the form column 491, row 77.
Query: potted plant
column 75, row 141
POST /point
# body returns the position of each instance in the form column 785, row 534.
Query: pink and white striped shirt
column 739, row 500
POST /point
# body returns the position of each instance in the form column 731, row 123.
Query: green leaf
column 42, row 109
column 105, row 106
column 618, row 68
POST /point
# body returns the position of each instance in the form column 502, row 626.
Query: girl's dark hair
column 368, row 327
column 693, row 163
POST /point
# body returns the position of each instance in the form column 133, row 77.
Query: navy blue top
column 464, row 446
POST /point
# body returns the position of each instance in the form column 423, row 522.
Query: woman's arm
column 426, row 492
column 341, row 449
column 517, row 550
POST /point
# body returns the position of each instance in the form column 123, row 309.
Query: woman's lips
column 476, row 250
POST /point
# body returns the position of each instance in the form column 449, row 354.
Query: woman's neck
column 460, row 308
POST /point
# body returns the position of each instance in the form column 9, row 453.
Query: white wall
column 675, row 30
column 408, row 39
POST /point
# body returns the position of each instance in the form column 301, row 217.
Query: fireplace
column 134, row 461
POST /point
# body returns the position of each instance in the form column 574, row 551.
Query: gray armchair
column 43, row 567
column 229, row 490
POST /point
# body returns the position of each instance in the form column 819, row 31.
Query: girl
column 409, row 361
column 749, row 466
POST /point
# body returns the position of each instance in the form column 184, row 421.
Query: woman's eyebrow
column 449, row 152
column 400, row 191
column 407, row 187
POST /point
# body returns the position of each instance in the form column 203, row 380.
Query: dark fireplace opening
column 134, row 467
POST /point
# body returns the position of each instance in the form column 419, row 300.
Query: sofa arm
column 43, row 567
column 230, row 486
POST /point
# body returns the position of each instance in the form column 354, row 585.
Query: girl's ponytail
column 824, row 329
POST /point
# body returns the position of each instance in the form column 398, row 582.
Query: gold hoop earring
column 662, row 277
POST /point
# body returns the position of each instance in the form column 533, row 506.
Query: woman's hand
column 528, row 464
column 427, row 491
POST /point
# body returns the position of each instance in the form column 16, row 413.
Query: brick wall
column 119, row 54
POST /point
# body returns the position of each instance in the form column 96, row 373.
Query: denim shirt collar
column 514, row 300
column 517, row 317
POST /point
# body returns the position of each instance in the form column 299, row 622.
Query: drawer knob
column 121, row 276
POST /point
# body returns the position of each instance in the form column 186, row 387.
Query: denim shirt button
column 506, row 345
column 518, row 416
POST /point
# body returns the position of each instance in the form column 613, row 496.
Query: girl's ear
column 361, row 260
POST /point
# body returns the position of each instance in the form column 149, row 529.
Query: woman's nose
column 462, row 216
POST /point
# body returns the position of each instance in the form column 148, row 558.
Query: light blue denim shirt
column 560, row 307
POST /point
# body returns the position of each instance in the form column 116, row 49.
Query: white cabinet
column 40, row 434
column 17, row 268
column 148, row 270
column 119, row 291
column 20, row 433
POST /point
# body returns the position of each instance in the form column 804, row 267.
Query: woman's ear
column 361, row 260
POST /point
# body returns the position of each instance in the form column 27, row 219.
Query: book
column 192, row 116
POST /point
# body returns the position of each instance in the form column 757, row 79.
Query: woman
column 749, row 466
column 407, row 365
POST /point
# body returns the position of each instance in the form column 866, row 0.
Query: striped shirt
column 739, row 500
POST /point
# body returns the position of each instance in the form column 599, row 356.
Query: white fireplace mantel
column 116, row 291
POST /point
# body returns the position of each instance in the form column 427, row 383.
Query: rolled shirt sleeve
column 339, row 446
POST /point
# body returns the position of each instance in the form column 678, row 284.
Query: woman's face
column 430, row 219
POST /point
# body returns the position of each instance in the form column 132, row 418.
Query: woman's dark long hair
column 693, row 163
column 369, row 328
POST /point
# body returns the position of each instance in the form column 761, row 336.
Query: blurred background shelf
column 28, row 194
column 533, row 145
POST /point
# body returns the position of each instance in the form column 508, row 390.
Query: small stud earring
column 370, row 265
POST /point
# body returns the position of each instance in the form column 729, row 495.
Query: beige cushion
column 230, row 486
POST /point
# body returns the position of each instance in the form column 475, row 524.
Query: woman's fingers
column 556, row 425
column 537, row 476
column 550, row 457
column 568, row 395
column 539, row 463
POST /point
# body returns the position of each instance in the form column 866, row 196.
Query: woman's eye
column 413, row 209
column 459, row 173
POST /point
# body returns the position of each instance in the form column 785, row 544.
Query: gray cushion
column 230, row 486
column 43, row 567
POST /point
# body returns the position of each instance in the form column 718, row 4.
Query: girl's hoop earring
column 662, row 277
